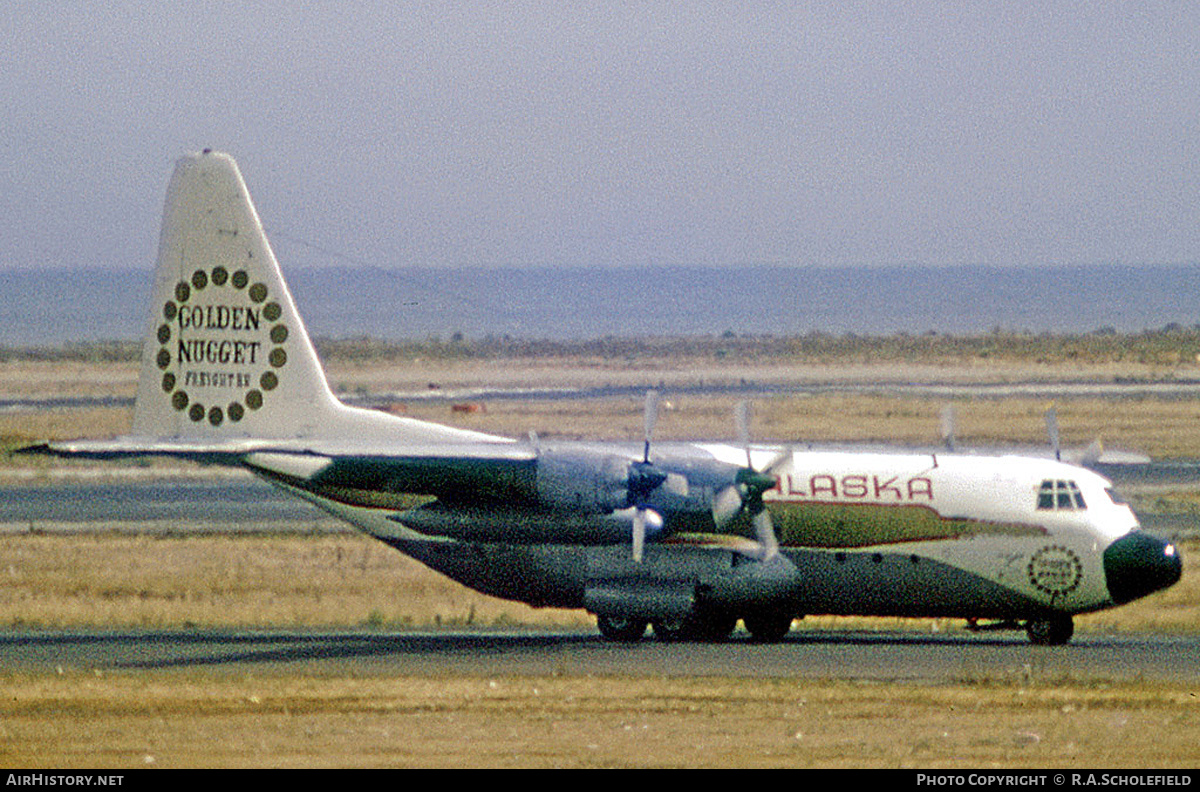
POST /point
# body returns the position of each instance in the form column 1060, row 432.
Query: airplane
column 685, row 537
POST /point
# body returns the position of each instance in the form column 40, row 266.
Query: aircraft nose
column 1138, row 564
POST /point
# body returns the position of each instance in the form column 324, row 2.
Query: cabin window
column 1057, row 494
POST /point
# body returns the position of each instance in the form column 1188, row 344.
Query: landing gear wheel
column 715, row 627
column 1054, row 631
column 709, row 627
column 670, row 631
column 621, row 628
column 768, row 627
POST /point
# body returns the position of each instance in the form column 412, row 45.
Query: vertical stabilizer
column 225, row 353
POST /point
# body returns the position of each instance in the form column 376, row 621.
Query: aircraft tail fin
column 225, row 353
column 226, row 356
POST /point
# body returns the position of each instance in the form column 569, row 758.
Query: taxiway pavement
column 810, row 654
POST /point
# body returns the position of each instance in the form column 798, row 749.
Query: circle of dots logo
column 1055, row 570
column 238, row 283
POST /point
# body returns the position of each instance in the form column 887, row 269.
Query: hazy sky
column 473, row 134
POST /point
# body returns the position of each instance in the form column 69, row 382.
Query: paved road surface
column 895, row 656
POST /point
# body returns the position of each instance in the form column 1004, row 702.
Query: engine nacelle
column 579, row 481
column 523, row 526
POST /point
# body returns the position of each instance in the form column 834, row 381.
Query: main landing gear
column 621, row 629
column 709, row 627
column 768, row 627
column 772, row 627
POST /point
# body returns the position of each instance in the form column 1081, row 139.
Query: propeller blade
column 741, row 416
column 949, row 420
column 1091, row 454
column 646, row 522
column 764, row 530
column 779, row 460
column 639, row 535
column 651, row 418
column 1052, row 431
column 726, row 505
column 741, row 419
column 676, row 485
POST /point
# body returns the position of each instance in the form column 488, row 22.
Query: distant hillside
column 1169, row 346
column 571, row 305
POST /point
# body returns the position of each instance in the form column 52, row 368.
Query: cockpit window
column 1057, row 494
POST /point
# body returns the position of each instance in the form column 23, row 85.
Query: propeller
column 745, row 495
column 622, row 483
column 644, row 479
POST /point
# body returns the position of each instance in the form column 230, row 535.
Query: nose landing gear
column 1051, row 631
column 1045, row 631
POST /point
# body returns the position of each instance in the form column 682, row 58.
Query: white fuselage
column 1034, row 529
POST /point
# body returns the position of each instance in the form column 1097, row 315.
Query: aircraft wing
column 234, row 449
column 488, row 471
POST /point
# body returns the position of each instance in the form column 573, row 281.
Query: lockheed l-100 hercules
column 686, row 537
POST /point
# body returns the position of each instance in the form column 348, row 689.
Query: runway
column 225, row 505
column 807, row 654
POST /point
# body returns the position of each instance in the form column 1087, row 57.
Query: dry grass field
column 85, row 718
column 1163, row 428
column 108, row 719
column 188, row 581
column 176, row 720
